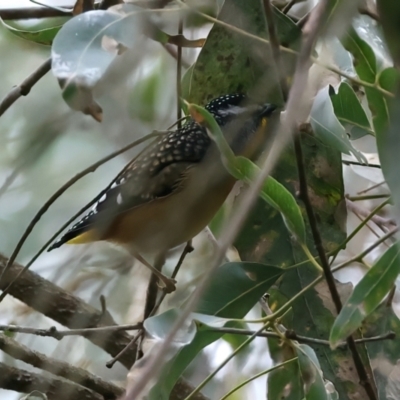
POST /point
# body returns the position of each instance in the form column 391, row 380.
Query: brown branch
column 72, row 312
column 57, row 334
column 33, row 12
column 60, row 368
column 68, row 310
column 24, row 88
column 22, row 381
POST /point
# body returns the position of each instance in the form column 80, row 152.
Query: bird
column 171, row 191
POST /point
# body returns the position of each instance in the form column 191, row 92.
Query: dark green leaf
column 389, row 13
column 275, row 194
column 236, row 287
column 349, row 111
column 242, row 64
column 389, row 78
column 327, row 128
column 285, row 382
column 367, row 295
column 384, row 354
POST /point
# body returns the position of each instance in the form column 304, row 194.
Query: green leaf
column 236, row 287
column 275, row 194
column 327, row 128
column 233, row 291
column 242, row 63
column 389, row 78
column 384, row 354
column 35, row 33
column 349, row 111
column 365, row 64
column 284, row 383
column 313, row 381
column 367, row 295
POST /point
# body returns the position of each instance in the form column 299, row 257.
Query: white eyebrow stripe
column 232, row 110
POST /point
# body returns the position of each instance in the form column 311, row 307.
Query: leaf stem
column 267, row 371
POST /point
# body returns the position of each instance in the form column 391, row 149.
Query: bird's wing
column 157, row 172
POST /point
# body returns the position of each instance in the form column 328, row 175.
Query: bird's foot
column 167, row 284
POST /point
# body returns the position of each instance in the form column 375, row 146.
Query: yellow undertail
column 85, row 237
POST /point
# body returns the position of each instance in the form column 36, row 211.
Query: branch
column 33, row 12
column 289, row 334
column 24, row 88
column 56, row 334
column 60, row 368
column 22, row 381
column 72, row 312
column 68, row 310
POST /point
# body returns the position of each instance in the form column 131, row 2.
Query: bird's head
column 237, row 106
column 243, row 122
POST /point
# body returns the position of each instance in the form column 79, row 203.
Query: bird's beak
column 268, row 109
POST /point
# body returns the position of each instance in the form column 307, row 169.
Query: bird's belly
column 168, row 222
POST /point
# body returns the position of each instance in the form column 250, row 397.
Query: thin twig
column 110, row 364
column 378, row 220
column 57, row 334
column 289, row 334
column 188, row 249
column 361, row 255
column 52, row 199
column 227, row 359
column 371, row 188
column 347, row 162
column 303, row 195
column 25, row 87
column 60, row 368
column 369, row 197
